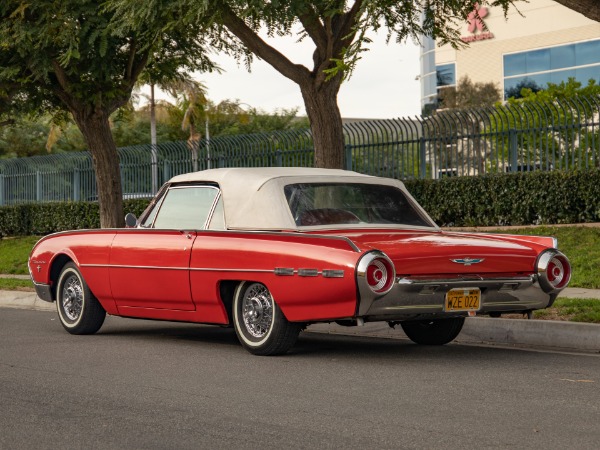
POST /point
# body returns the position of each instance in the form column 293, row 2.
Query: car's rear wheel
column 79, row 311
column 259, row 323
column 433, row 332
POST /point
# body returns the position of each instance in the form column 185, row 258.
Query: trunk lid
column 433, row 253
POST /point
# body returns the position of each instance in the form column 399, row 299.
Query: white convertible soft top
column 254, row 199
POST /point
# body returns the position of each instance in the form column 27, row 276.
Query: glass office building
column 544, row 42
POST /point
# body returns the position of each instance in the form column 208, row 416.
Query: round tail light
column 378, row 272
column 554, row 270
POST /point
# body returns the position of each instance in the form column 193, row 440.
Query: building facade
column 540, row 42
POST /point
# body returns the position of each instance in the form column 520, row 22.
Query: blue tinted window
column 538, row 61
column 514, row 64
column 446, row 75
column 587, row 53
column 584, row 74
column 556, row 64
column 513, row 86
column 562, row 57
column 562, row 75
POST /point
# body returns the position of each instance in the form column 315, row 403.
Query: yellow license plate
column 463, row 300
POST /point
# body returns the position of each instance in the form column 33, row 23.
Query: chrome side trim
column 119, row 266
column 192, row 269
column 308, row 272
column 281, row 271
column 215, row 269
column 333, row 273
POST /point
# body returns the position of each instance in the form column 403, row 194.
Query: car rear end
column 418, row 275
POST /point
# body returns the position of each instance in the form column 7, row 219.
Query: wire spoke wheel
column 78, row 310
column 257, row 310
column 72, row 298
column 259, row 323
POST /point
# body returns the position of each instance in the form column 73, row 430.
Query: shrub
column 511, row 199
column 44, row 218
column 532, row 198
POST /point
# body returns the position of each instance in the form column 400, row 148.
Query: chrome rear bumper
column 414, row 298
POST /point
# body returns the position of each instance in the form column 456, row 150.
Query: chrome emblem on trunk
column 467, row 261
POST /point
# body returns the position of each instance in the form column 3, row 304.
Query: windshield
column 334, row 203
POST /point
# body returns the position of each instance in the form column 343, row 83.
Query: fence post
column 1, row 189
column 167, row 171
column 76, row 185
column 278, row 158
column 154, row 167
column 348, row 156
column 422, row 158
column 512, row 149
column 38, row 183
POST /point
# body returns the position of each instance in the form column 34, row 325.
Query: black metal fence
column 558, row 135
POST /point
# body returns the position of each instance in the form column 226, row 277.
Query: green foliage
column 468, row 94
column 511, row 199
column 551, row 125
column 27, row 137
column 45, row 218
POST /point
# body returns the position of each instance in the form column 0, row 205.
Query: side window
column 186, row 208
column 217, row 222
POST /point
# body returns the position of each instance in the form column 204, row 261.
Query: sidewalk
column 544, row 334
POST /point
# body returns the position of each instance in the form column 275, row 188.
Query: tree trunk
column 96, row 131
column 325, row 123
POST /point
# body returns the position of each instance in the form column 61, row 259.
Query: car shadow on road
column 309, row 344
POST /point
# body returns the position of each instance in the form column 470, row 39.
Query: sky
column 384, row 84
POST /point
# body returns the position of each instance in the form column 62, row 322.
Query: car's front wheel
column 79, row 311
column 259, row 323
column 433, row 332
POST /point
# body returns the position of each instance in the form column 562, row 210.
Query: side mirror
column 130, row 220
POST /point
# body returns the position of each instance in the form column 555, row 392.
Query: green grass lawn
column 12, row 284
column 14, row 253
column 572, row 309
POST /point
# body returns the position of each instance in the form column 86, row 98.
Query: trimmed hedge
column 45, row 218
column 532, row 198
column 492, row 200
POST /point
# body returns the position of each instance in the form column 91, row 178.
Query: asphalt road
column 142, row 384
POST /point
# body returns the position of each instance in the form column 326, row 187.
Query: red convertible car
column 271, row 250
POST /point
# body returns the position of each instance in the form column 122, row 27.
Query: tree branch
column 344, row 31
column 61, row 90
column 295, row 72
column 314, row 28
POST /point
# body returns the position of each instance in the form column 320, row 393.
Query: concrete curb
column 545, row 334
column 24, row 300
column 548, row 334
